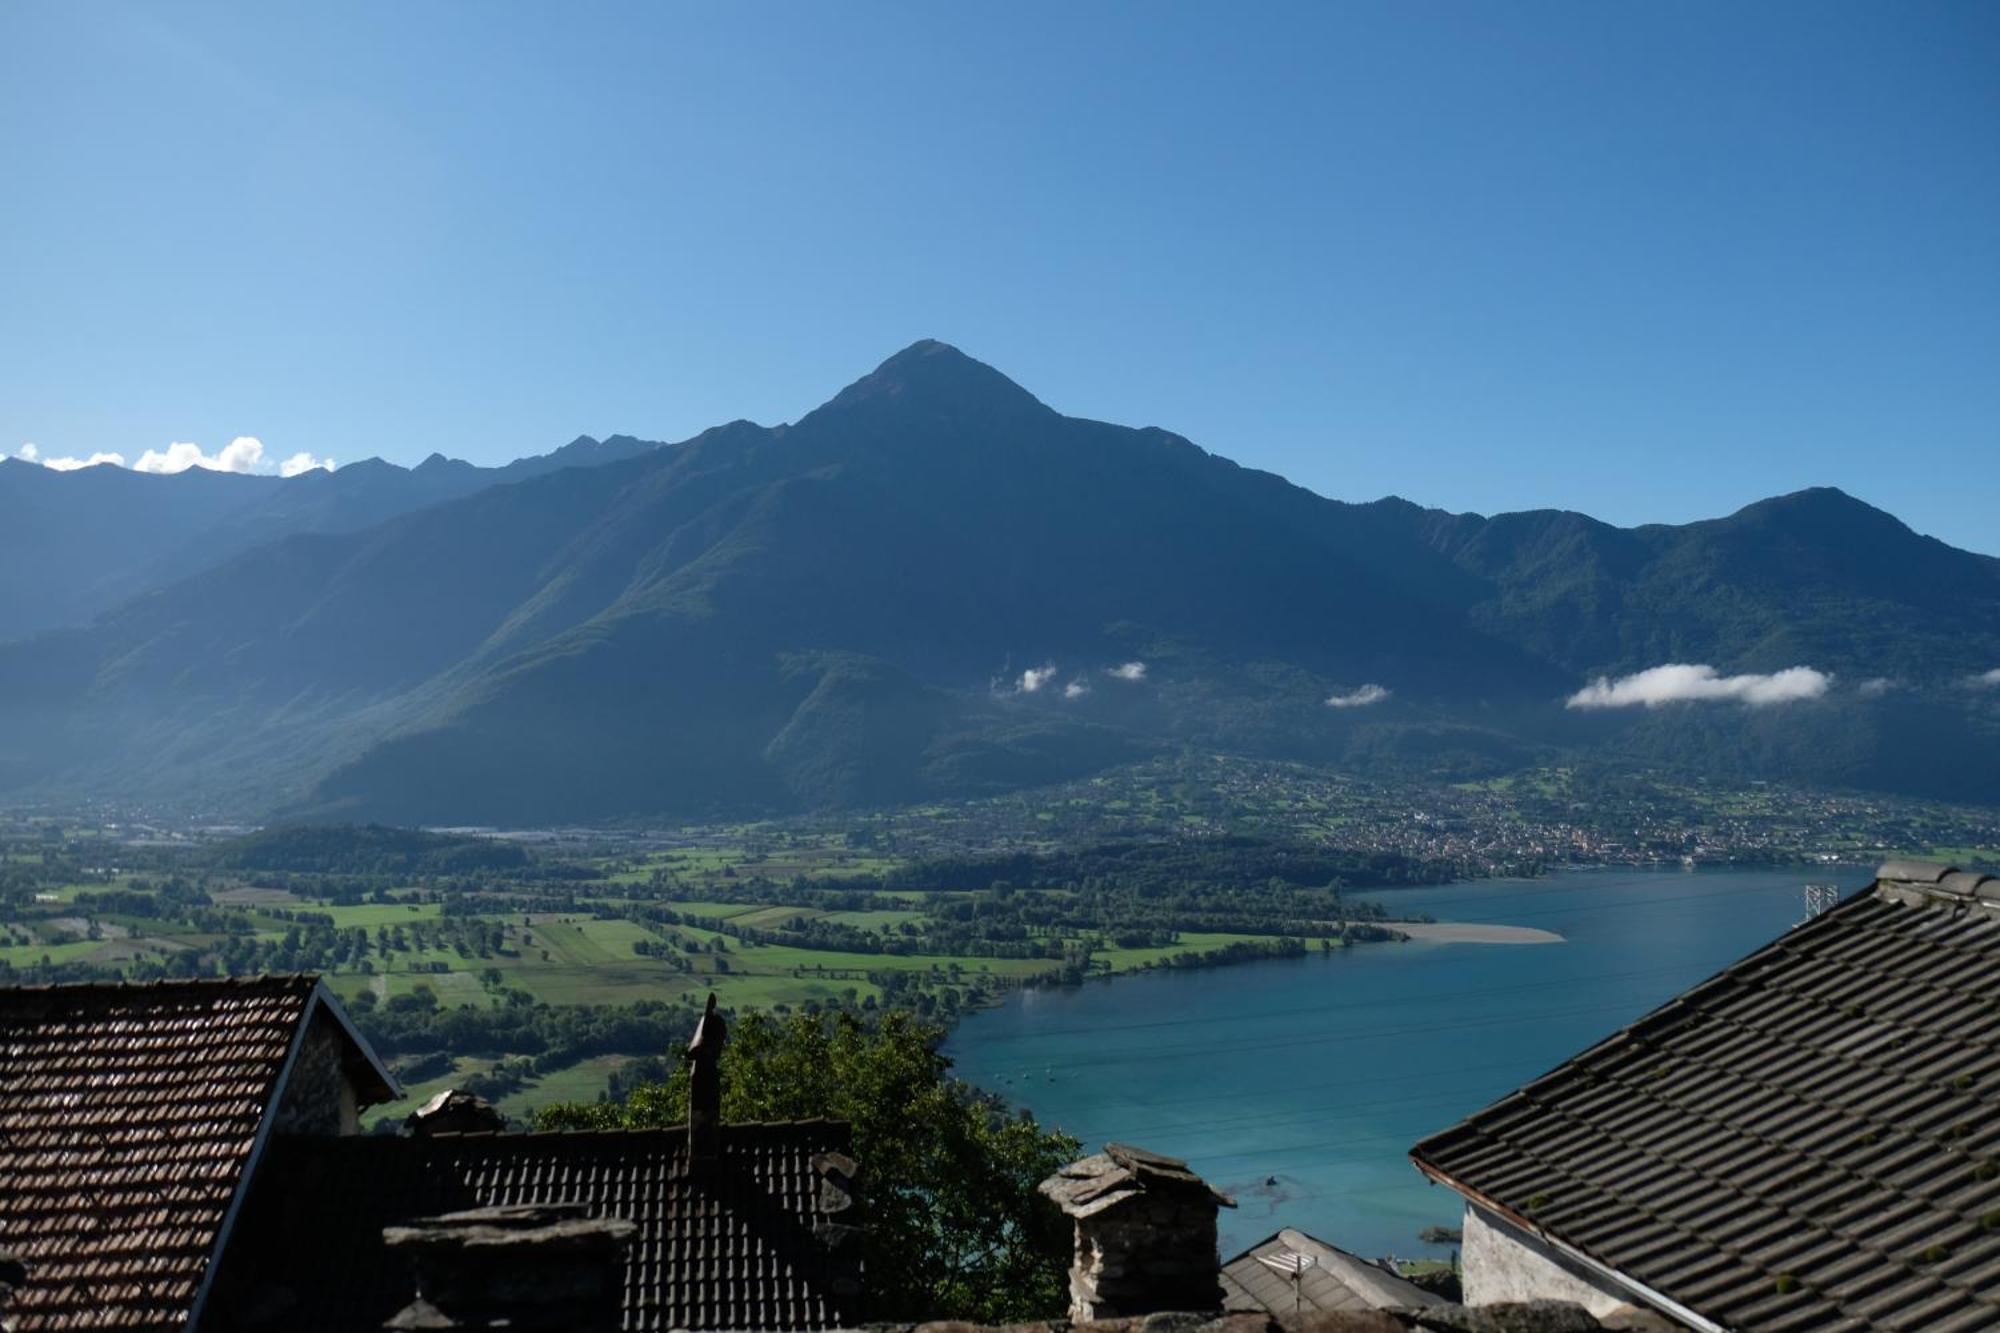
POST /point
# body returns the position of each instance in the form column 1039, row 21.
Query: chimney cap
column 1088, row 1187
column 710, row 1032
column 513, row 1228
column 456, row 1111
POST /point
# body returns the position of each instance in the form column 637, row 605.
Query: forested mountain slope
column 935, row 584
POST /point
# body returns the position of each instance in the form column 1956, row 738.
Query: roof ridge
column 678, row 1128
column 124, row 986
column 1928, row 883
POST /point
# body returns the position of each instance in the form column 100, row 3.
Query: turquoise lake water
column 1319, row 1073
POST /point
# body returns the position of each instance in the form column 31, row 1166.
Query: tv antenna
column 1292, row 1264
column 1820, row 898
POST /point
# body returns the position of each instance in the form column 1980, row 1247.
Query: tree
column 955, row 1227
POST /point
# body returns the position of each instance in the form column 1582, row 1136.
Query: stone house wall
column 1503, row 1264
column 319, row 1098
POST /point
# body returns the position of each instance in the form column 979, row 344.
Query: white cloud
column 1076, row 689
column 72, row 464
column 1034, row 678
column 1358, row 698
column 1678, row 682
column 1875, row 687
column 302, row 462
column 1988, row 679
column 245, row 453
column 1133, row 671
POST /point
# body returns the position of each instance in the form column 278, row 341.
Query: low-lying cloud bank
column 28, row 453
column 1682, row 682
column 1361, row 697
column 244, row 454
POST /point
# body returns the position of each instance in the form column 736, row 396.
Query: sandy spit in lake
column 1473, row 932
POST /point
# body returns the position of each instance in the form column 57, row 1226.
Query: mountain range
column 75, row 544
column 933, row 585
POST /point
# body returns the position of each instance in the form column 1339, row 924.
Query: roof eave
column 386, row 1088
column 1658, row 1299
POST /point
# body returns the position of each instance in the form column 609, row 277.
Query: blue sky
column 1651, row 262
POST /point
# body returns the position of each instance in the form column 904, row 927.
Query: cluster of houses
column 1802, row 1142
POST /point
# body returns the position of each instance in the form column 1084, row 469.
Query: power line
column 1273, row 1118
column 1399, row 1079
column 1374, row 1034
column 1476, row 992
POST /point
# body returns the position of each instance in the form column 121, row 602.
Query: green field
column 372, row 915
column 1132, row 960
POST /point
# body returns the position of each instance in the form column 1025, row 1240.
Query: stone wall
column 1152, row 1252
column 1504, row 1263
column 319, row 1098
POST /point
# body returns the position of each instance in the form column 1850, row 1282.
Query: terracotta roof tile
column 127, row 1115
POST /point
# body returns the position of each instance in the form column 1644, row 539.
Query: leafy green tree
column 955, row 1228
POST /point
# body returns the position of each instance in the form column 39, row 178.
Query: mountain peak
column 1818, row 510
column 936, row 377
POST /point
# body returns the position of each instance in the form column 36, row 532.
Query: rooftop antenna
column 1292, row 1263
column 1820, row 898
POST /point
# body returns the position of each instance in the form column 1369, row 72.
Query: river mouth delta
column 1298, row 1085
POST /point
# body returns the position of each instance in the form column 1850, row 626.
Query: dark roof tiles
column 754, row 1240
column 127, row 1116
column 1816, row 1117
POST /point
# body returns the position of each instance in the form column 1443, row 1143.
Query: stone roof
column 1806, row 1140
column 130, row 1115
column 761, row 1237
column 1507, row 1317
column 1087, row 1187
column 1331, row 1281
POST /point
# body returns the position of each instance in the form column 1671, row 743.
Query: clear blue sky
column 1648, row 261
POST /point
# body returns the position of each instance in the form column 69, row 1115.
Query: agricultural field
column 777, row 923
column 535, row 967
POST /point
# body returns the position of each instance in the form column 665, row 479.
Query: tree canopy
column 955, row 1228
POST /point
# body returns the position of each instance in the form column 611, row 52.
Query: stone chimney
column 705, row 1085
column 1145, row 1234
column 455, row 1112
column 523, row 1267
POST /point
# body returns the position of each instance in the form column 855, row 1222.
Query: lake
column 1298, row 1086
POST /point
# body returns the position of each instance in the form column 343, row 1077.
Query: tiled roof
column 1807, row 1140
column 1331, row 1280
column 749, row 1241
column 127, row 1115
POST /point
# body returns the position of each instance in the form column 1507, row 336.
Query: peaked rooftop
column 129, row 1118
column 762, row 1237
column 1328, row 1279
column 1807, row 1140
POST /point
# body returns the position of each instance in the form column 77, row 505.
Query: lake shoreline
column 1319, row 1073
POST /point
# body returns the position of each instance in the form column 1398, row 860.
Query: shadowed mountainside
column 75, row 544
column 860, row 607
